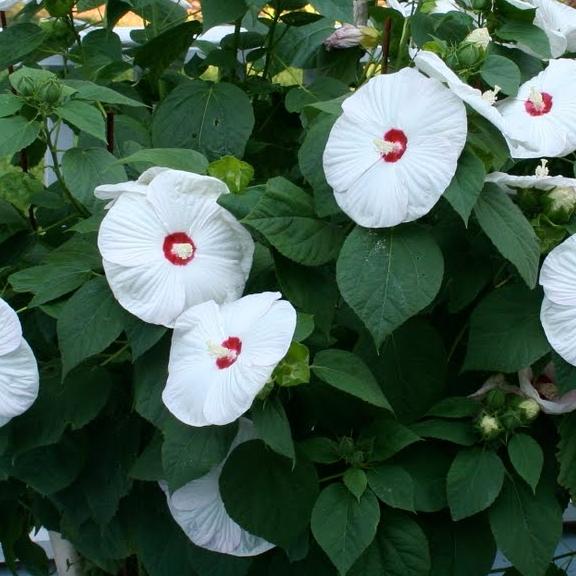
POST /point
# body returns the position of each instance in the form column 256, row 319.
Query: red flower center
column 179, row 249
column 398, row 141
column 231, row 350
column 539, row 105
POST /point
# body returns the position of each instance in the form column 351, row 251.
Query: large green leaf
column 216, row 119
column 503, row 72
column 474, row 481
column 16, row 133
column 393, row 485
column 527, row 458
column 527, row 526
column 389, row 276
column 399, row 549
column 95, row 93
column 345, row 371
column 465, row 188
column 285, row 216
column 566, row 453
column 175, row 158
column 527, row 34
column 217, row 12
column 387, row 437
column 85, row 168
column 273, row 427
column 343, row 525
column 505, row 331
column 89, row 322
column 334, row 9
column 510, row 231
column 17, row 41
column 189, row 453
column 86, row 117
column 266, row 495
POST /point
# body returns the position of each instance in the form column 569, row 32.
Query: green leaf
column 276, row 503
column 285, row 216
column 320, row 450
column 17, row 41
column 85, row 168
column 10, row 104
column 322, row 89
column 235, row 173
column 527, row 458
column 389, row 437
column 217, row 12
column 566, row 453
column 505, row 331
column 462, row 433
column 344, row 526
column 538, row 517
column 304, row 327
column 345, row 371
column 334, row 9
column 509, row 230
column 399, row 549
column 393, row 485
column 218, row 119
column 189, row 453
column 503, row 72
column 389, row 276
column 89, row 322
column 474, row 481
column 17, row 133
column 455, row 407
column 465, row 188
column 175, row 158
column 148, row 466
column 85, row 117
column 273, row 427
column 565, row 374
column 527, row 34
column 356, row 481
column 94, row 92
column 141, row 335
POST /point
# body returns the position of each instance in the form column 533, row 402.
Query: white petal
column 559, row 322
column 558, row 17
column 558, row 273
column 154, row 292
column 199, row 510
column 565, row 404
column 10, row 329
column 18, row 382
column 131, row 234
column 114, row 191
column 538, row 182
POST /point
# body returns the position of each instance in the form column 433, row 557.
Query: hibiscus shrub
column 271, row 291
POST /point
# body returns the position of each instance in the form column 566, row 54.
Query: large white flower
column 199, row 510
column 544, row 391
column 18, row 368
column 222, row 356
column 558, row 313
column 557, row 18
column 482, row 102
column 168, row 245
column 545, row 109
column 395, row 148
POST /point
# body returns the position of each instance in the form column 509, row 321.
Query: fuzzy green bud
column 528, row 409
column 50, row 92
column 489, row 426
column 559, row 204
column 26, row 87
column 469, row 55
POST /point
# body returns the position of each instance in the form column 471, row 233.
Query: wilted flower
column 222, row 356
column 199, row 510
column 558, row 313
column 544, row 392
column 390, row 156
column 348, row 36
column 167, row 245
column 544, row 110
column 18, row 369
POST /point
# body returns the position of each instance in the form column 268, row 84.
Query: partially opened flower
column 558, row 313
column 222, row 356
column 348, row 36
column 545, row 110
column 544, row 391
column 199, row 510
column 557, row 18
column 18, row 368
column 482, row 102
column 172, row 246
column 390, row 156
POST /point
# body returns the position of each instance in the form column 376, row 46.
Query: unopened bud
column 489, row 426
column 50, row 92
column 529, row 409
column 559, row 204
column 480, row 38
column 348, row 36
column 469, row 55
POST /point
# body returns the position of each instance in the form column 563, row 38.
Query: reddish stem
column 110, row 131
column 3, row 19
column 386, row 44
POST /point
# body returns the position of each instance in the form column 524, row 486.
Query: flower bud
column 480, row 38
column 559, row 204
column 348, row 36
column 469, row 55
column 495, row 399
column 26, row 87
column 528, row 409
column 50, row 92
column 489, row 427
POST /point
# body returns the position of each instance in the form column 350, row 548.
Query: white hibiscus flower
column 199, row 510
column 558, row 313
column 394, row 150
column 18, row 368
column 168, row 245
column 557, row 18
column 482, row 102
column 222, row 356
column 545, row 109
column 544, row 391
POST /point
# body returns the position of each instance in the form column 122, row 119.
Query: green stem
column 270, row 44
column 56, row 167
column 333, row 477
column 115, row 355
column 403, row 40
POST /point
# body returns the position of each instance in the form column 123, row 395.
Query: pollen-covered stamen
column 225, row 353
column 392, row 146
column 491, row 96
column 179, row 249
column 538, row 103
column 542, row 170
